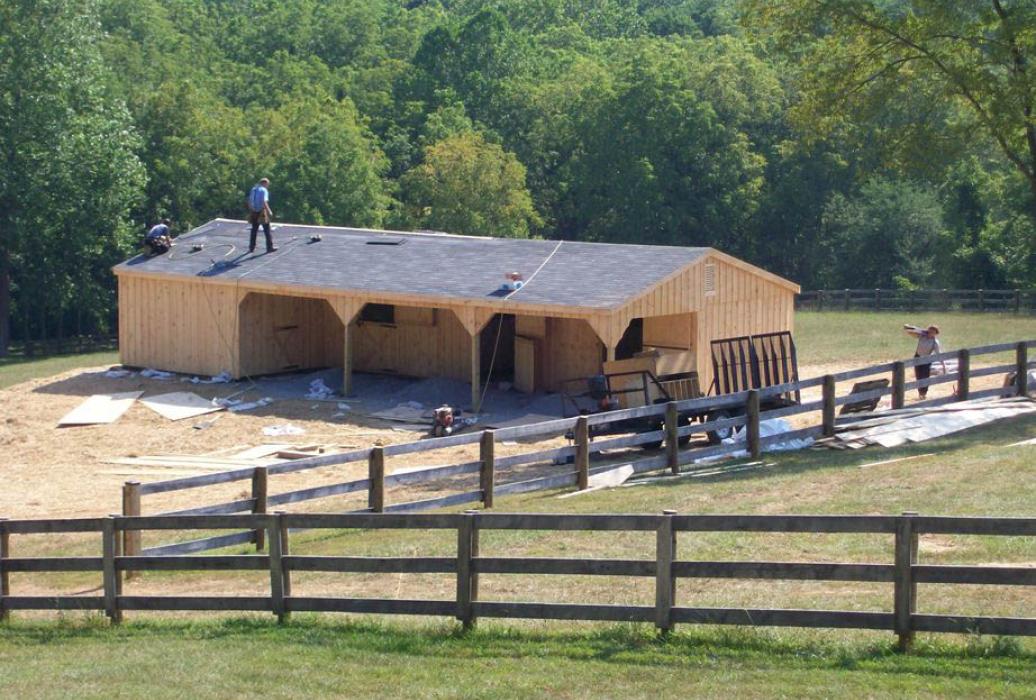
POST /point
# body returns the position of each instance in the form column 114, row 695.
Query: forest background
column 839, row 143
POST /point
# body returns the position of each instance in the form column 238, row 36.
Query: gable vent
column 710, row 279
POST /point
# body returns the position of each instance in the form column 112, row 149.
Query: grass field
column 14, row 370
column 972, row 473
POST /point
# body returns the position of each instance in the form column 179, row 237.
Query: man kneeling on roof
column 159, row 239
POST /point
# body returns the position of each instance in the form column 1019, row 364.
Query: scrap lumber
column 100, row 409
column 178, row 405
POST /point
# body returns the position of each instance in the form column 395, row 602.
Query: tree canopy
column 798, row 134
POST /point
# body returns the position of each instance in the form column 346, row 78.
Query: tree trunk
column 5, row 304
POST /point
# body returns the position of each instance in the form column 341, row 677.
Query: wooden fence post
column 5, row 577
column 279, row 581
column 1022, row 369
column 898, row 380
column 672, row 437
column 582, row 439
column 487, row 473
column 1017, row 301
column 752, row 427
column 260, row 478
column 963, row 375
column 877, row 299
column 376, row 474
column 665, row 582
column 131, row 539
column 109, row 573
column 981, row 300
column 905, row 588
column 829, row 405
column 467, row 582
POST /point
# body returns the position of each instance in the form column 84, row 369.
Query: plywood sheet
column 100, row 408
column 179, row 405
column 525, row 364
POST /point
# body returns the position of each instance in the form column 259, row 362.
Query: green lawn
column 319, row 658
column 861, row 338
column 14, row 370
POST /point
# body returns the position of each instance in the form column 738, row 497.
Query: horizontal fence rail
column 1016, row 301
column 666, row 424
column 666, row 566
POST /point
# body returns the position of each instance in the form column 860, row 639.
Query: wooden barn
column 432, row 304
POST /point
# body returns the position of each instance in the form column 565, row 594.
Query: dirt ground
column 65, row 472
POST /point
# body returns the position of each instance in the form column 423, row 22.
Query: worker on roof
column 159, row 238
column 259, row 212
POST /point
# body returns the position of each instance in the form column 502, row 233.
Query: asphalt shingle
column 588, row 275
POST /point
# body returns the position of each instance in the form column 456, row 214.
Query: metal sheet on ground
column 100, row 408
column 179, row 405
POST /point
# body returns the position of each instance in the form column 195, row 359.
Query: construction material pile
column 897, row 427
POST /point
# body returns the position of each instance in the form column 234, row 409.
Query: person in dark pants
column 927, row 344
column 259, row 212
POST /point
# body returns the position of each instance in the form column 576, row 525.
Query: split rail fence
column 1016, row 301
column 577, row 468
column 666, row 567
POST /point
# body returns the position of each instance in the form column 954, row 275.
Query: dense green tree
column 466, row 185
column 887, row 235
column 69, row 175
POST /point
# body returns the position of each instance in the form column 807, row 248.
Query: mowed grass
column 861, row 338
column 15, row 370
column 316, row 658
column 977, row 472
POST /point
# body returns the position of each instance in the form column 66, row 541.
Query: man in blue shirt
column 259, row 213
column 158, row 238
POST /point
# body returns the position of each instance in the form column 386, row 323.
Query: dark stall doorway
column 497, row 349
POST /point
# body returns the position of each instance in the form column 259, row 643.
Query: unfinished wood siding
column 676, row 331
column 421, row 343
column 178, row 326
column 284, row 333
column 571, row 351
column 743, row 304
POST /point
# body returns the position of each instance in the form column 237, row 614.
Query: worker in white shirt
column 927, row 345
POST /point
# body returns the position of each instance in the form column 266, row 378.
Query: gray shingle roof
column 589, row 275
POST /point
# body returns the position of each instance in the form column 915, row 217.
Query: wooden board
column 100, row 408
column 178, row 405
column 525, row 364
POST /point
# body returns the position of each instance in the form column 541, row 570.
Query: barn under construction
column 534, row 313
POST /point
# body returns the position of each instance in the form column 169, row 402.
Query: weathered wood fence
column 903, row 570
column 576, row 473
column 1016, row 301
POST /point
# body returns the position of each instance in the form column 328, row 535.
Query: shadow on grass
column 977, row 658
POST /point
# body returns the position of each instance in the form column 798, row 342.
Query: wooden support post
column 829, row 405
column 466, row 583
column 963, row 375
column 582, row 440
column 376, row 474
column 665, row 582
column 898, row 380
column 672, row 438
column 752, row 427
column 347, row 363
column 476, row 372
column 905, row 588
column 277, row 536
column 110, row 576
column 5, row 577
column 1022, row 369
column 487, row 472
column 260, row 478
column 131, row 539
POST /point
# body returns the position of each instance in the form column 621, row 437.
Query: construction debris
column 898, row 427
column 100, row 408
column 285, row 429
column 178, row 405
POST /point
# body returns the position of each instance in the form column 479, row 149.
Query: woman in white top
column 927, row 344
